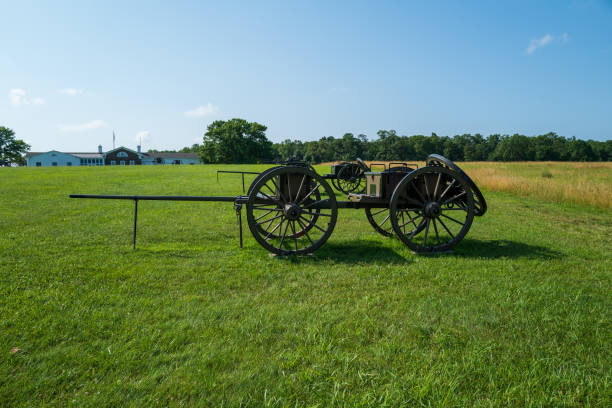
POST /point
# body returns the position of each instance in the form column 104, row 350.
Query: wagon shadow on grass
column 502, row 248
column 352, row 252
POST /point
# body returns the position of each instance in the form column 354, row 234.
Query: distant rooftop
column 82, row 155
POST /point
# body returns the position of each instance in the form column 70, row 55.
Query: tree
column 11, row 149
column 236, row 141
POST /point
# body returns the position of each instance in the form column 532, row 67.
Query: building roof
column 82, row 155
column 89, row 155
column 96, row 155
column 122, row 148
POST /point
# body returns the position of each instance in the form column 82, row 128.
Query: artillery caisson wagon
column 293, row 210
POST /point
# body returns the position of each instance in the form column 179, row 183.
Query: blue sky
column 72, row 72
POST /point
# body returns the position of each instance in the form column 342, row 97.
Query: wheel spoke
column 284, row 235
column 378, row 212
column 280, row 193
column 311, row 191
column 436, row 229
column 412, row 220
column 458, row 222
column 446, row 190
column 426, row 232
column 314, row 225
column 446, row 228
column 294, row 234
column 289, row 188
column 436, row 189
column 319, row 213
column 414, row 187
column 300, row 189
column 453, row 198
column 270, row 219
column 385, row 220
column 267, row 208
column 275, row 228
column 425, row 178
column 305, row 229
column 416, row 230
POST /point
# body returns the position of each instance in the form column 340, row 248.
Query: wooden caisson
column 292, row 210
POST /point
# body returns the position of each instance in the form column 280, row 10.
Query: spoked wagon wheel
column 480, row 203
column 277, row 234
column 380, row 219
column 351, row 179
column 439, row 200
column 291, row 210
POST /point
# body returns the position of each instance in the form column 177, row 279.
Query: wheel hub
column 292, row 211
column 432, row 209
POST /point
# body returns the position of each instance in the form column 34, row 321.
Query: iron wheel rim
column 439, row 200
column 351, row 178
column 480, row 204
column 294, row 225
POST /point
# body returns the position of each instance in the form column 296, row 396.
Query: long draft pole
column 238, row 201
column 135, row 221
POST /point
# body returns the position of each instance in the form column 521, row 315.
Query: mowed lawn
column 519, row 315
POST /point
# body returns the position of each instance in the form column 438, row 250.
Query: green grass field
column 519, row 315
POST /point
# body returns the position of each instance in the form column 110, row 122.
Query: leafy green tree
column 289, row 149
column 236, row 141
column 513, row 148
column 11, row 149
column 194, row 148
column 580, row 150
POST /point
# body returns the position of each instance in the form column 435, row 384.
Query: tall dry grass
column 579, row 183
column 562, row 182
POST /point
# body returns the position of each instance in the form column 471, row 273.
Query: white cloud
column 19, row 97
column 70, row 91
column 564, row 38
column 81, row 127
column 206, row 110
column 143, row 135
column 539, row 42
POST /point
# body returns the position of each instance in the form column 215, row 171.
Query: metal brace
column 238, row 208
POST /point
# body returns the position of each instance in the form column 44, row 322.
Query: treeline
column 391, row 146
column 194, row 148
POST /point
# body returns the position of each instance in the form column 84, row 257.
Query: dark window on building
column 69, row 164
column 38, row 164
column 54, row 164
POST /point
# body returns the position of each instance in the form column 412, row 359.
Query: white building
column 119, row 156
column 55, row 158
